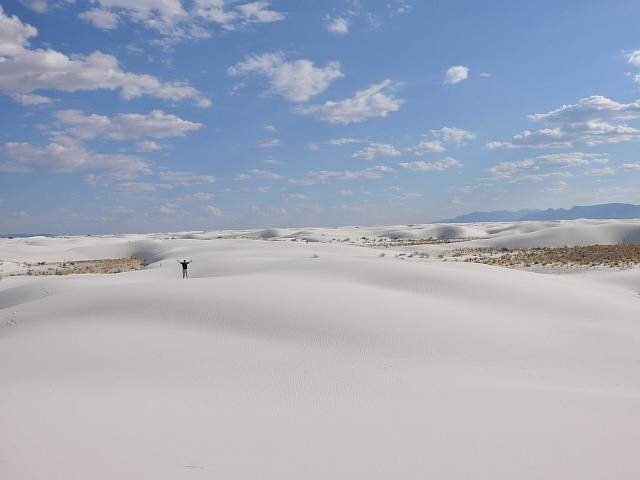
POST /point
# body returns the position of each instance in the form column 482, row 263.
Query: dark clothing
column 184, row 264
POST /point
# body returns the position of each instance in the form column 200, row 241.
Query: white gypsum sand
column 287, row 359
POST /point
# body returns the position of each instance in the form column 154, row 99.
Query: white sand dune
column 283, row 359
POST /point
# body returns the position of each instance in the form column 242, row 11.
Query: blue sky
column 155, row 115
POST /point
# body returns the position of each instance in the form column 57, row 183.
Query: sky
column 168, row 115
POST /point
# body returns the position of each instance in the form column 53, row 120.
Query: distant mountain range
column 24, row 235
column 601, row 211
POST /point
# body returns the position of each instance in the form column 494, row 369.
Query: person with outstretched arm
column 184, row 264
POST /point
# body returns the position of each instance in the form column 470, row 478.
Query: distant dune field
column 320, row 353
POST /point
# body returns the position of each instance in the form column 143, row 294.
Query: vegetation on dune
column 592, row 256
column 105, row 265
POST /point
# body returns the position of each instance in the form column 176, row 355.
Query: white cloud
column 162, row 15
column 441, row 137
column 323, row 176
column 69, row 158
column 100, row 18
column 147, row 146
column 589, row 109
column 24, row 71
column 377, row 149
column 338, row 26
column 295, row 80
column 600, row 172
column 265, row 174
column 196, row 197
column 213, row 211
column 288, row 195
column 539, row 177
column 453, row 136
column 437, row 166
column 345, row 192
column 258, row 174
column 456, row 74
column 630, row 167
column 583, row 123
column 186, row 179
column 133, row 187
column 427, row 147
column 217, row 11
column 14, row 35
column 376, row 101
column 336, row 142
column 512, row 171
column 168, row 209
column 274, row 142
column 557, row 187
column 507, row 170
column 573, row 159
column 125, row 126
column 29, row 99
column 634, row 58
column 174, row 19
column 38, row 6
column 258, row 12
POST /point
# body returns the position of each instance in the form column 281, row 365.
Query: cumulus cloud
column 258, row 174
column 377, row 149
column 289, row 195
column 39, row 6
column 270, row 143
column 630, row 167
column 14, row 35
column 572, row 159
column 539, row 177
column 600, row 172
column 557, row 187
column 131, row 187
column 336, row 142
column 100, row 18
column 147, row 146
column 295, row 80
column 213, row 211
column 427, row 146
column 453, row 136
column 173, row 19
column 585, row 123
column 56, row 157
column 24, row 71
column 30, row 99
column 196, row 197
column 594, row 108
column 186, row 179
column 376, row 101
column 517, row 171
column 125, row 126
column 634, row 58
column 437, row 166
column 456, row 74
column 441, row 137
column 338, row 25
column 323, row 176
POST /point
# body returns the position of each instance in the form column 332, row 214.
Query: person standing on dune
column 184, row 264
